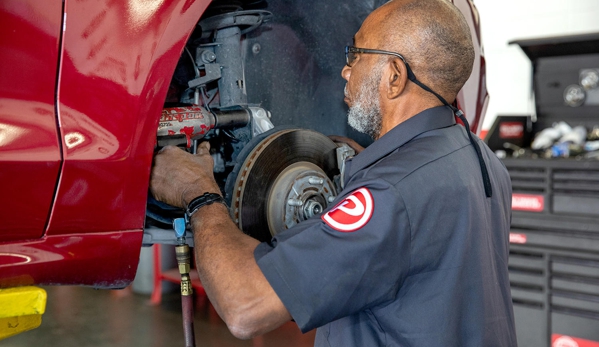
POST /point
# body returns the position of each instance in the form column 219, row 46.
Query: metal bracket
column 260, row 120
column 212, row 74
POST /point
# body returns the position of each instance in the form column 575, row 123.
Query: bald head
column 432, row 35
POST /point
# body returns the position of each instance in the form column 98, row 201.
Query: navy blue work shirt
column 412, row 253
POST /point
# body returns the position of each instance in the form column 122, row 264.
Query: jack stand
column 184, row 260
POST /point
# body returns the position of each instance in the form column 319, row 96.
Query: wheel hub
column 285, row 178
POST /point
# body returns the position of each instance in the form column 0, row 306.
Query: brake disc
column 285, row 178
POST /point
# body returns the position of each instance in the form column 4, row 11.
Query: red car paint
column 29, row 143
column 473, row 99
column 73, row 212
column 83, row 87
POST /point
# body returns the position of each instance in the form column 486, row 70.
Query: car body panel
column 117, row 62
column 474, row 98
column 29, row 148
column 111, row 94
column 103, row 260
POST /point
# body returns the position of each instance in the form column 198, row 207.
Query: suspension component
column 286, row 177
column 226, row 31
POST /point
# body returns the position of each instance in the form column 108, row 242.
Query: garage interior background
column 508, row 68
column 509, row 82
column 509, row 85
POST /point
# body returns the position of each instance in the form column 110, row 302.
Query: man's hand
column 342, row 139
column 224, row 255
column 178, row 177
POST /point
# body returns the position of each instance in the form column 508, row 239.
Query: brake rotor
column 284, row 179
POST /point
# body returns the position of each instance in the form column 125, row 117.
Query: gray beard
column 365, row 114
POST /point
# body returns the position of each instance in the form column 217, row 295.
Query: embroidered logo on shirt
column 352, row 213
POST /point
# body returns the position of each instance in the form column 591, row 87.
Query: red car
column 84, row 86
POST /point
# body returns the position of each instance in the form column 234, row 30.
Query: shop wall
column 508, row 68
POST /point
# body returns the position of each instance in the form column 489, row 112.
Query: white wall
column 508, row 68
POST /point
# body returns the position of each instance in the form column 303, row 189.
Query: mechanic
column 415, row 250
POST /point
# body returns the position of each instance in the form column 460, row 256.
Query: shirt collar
column 430, row 119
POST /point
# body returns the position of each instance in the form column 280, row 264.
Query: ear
column 398, row 78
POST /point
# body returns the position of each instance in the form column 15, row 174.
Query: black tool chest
column 554, row 238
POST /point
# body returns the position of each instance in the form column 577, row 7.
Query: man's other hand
column 178, row 176
column 342, row 139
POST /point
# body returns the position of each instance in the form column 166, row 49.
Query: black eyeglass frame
column 353, row 49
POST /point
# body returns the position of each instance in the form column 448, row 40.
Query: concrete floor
column 80, row 317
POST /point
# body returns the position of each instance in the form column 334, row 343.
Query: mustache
column 345, row 92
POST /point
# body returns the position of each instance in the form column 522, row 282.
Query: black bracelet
column 202, row 200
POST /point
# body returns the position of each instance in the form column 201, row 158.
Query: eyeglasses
column 351, row 51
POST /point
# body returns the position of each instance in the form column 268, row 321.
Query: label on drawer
column 517, row 238
column 558, row 340
column 528, row 202
column 511, row 130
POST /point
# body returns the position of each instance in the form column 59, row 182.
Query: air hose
column 183, row 255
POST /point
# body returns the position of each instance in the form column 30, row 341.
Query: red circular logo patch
column 352, row 213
